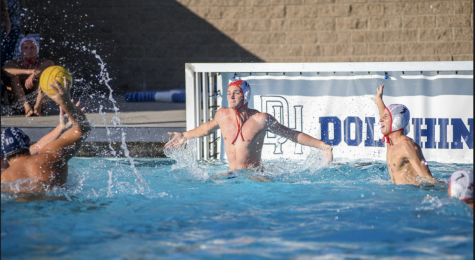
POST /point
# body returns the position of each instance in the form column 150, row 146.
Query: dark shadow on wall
column 144, row 43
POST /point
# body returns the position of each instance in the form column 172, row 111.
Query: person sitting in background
column 49, row 167
column 24, row 76
column 406, row 163
column 461, row 186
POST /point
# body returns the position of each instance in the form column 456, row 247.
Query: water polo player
column 244, row 129
column 64, row 124
column 461, row 186
column 406, row 163
column 49, row 167
column 24, row 74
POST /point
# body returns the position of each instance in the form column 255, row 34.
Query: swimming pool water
column 180, row 209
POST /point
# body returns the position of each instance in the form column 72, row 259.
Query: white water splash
column 104, row 79
column 287, row 168
column 185, row 157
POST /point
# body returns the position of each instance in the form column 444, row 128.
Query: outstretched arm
column 202, row 130
column 378, row 100
column 68, row 143
column 298, row 137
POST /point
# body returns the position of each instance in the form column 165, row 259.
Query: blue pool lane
column 347, row 210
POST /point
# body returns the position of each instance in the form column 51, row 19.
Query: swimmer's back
column 44, row 167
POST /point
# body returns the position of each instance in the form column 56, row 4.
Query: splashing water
column 334, row 211
column 185, row 160
column 104, row 79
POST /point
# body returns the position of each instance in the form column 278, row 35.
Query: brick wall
column 145, row 43
column 344, row 30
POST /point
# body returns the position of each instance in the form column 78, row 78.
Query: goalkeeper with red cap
column 244, row 129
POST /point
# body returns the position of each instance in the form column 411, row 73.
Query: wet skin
column 406, row 163
column 49, row 167
column 244, row 154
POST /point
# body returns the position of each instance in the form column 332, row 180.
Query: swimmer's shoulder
column 222, row 112
column 45, row 62
column 15, row 172
column 411, row 149
column 31, row 166
column 258, row 116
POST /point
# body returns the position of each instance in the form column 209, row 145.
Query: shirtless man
column 49, row 167
column 64, row 124
column 244, row 130
column 24, row 74
column 406, row 163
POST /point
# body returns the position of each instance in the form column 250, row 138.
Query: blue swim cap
column 14, row 140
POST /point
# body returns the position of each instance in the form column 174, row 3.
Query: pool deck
column 140, row 122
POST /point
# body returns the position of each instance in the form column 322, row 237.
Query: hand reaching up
column 63, row 116
column 61, row 94
column 380, row 93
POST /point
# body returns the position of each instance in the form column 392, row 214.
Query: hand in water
column 177, row 140
column 380, row 93
column 327, row 153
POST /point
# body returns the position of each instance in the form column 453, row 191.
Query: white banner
column 337, row 108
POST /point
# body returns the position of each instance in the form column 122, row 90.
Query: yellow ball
column 51, row 73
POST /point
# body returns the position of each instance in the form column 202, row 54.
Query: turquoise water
column 177, row 208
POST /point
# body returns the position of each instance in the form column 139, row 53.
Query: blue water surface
column 181, row 209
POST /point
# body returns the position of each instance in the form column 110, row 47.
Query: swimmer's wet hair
column 16, row 153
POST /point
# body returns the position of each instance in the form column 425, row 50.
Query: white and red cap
column 461, row 185
column 400, row 117
column 28, row 38
column 246, row 95
column 245, row 90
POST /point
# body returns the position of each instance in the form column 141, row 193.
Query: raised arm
column 298, row 137
column 378, row 100
column 68, row 143
column 56, row 133
column 202, row 130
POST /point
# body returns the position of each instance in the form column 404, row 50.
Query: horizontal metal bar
column 330, row 67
